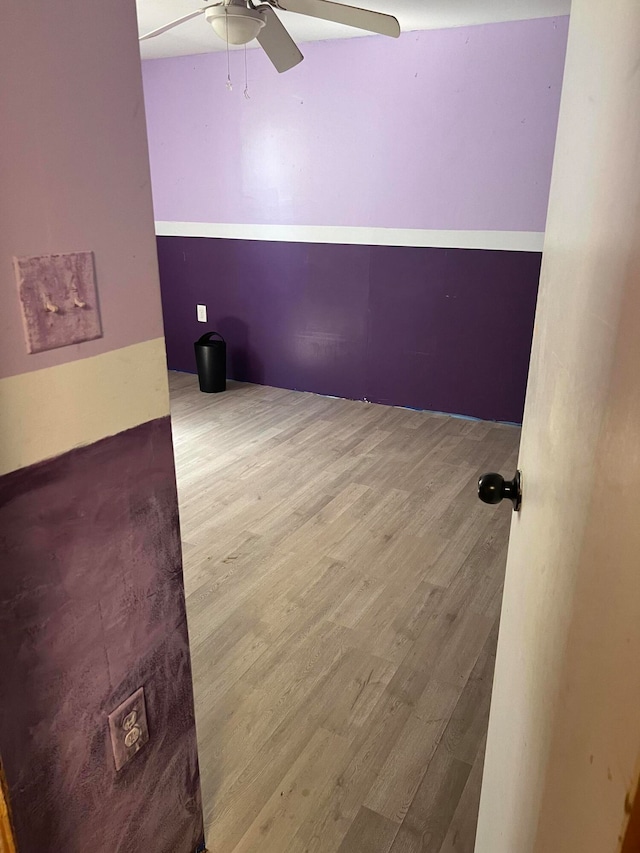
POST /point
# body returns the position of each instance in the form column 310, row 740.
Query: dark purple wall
column 91, row 608
column 441, row 329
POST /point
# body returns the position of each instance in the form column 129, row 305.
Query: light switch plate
column 59, row 300
column 128, row 728
column 202, row 313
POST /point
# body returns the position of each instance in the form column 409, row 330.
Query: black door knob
column 492, row 488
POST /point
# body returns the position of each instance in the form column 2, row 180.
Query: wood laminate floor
column 343, row 592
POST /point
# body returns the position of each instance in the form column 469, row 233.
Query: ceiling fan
column 241, row 21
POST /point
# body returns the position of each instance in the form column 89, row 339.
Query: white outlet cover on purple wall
column 59, row 300
column 128, row 728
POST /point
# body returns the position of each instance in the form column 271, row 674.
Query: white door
column 563, row 754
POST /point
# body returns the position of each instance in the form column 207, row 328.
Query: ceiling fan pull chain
column 246, row 75
column 226, row 21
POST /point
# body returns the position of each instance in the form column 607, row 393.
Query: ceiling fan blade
column 276, row 41
column 363, row 19
column 173, row 24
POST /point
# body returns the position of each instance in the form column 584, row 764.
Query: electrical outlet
column 202, row 313
column 128, row 728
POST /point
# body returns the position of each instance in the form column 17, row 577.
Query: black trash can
column 211, row 359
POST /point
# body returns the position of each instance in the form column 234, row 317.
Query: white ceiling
column 196, row 36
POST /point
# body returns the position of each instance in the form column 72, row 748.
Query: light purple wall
column 450, row 130
column 74, row 167
column 443, row 129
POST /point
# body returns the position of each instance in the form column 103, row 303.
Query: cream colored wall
column 564, row 738
column 50, row 411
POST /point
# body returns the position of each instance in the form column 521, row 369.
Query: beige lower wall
column 50, row 411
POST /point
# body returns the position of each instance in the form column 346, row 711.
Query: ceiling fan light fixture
column 244, row 24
